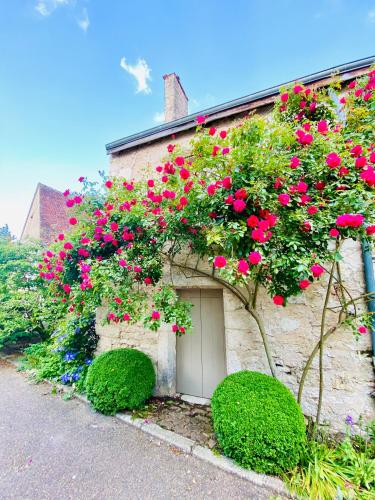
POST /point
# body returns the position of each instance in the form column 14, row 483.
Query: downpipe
column 368, row 267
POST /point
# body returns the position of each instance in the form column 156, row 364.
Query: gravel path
column 56, row 449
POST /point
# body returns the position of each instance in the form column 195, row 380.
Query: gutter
column 370, row 287
column 233, row 107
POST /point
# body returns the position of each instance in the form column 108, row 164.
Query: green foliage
column 258, row 422
column 22, row 313
column 335, row 470
column 120, row 379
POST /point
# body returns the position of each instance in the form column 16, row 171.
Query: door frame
column 177, row 288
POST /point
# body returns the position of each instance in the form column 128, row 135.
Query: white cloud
column 371, row 16
column 46, row 7
column 159, row 117
column 141, row 72
column 84, row 22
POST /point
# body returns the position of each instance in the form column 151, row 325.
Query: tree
column 265, row 205
column 5, row 233
column 21, row 302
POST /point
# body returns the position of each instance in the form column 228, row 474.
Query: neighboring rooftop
column 346, row 71
column 47, row 215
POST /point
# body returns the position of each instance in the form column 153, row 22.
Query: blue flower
column 77, row 330
column 75, row 377
column 88, row 361
column 349, row 420
column 65, row 378
column 69, row 356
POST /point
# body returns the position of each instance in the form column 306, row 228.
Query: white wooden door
column 201, row 353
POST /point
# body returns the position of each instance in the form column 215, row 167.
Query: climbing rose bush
column 268, row 202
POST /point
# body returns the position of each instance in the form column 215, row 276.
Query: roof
column 52, row 213
column 345, row 71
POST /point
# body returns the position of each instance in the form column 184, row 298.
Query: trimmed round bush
column 120, row 379
column 258, row 422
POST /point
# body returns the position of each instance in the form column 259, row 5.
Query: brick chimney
column 175, row 99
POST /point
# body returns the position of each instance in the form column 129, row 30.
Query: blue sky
column 64, row 92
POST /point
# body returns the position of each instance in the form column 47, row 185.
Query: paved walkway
column 56, row 449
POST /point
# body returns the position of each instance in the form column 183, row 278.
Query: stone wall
column 293, row 332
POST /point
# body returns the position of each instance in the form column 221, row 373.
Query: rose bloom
column 220, row 262
column 317, row 270
column 253, row 221
column 200, row 120
column 304, row 284
column 155, row 315
column 312, row 210
column 362, row 330
column 370, row 230
column 212, row 131
column 243, row 266
column 322, row 127
column 254, row 258
column 333, row 160
column 227, row 183
column 297, row 89
column 284, row 97
column 368, row 175
column 284, row 199
column 179, row 161
column 334, row 233
column 223, row 134
column 320, row 185
column 184, row 173
column 278, row 300
column 356, row 151
column 350, row 220
column 360, row 162
column 294, row 162
column 108, row 184
column 239, row 206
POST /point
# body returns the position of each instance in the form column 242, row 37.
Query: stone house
column 47, row 215
column 225, row 339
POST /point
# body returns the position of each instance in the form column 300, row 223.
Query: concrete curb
column 188, row 446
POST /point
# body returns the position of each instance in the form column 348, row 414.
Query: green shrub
column 120, row 379
column 258, row 422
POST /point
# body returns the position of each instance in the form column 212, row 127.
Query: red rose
column 278, row 300
column 243, row 266
column 220, row 262
column 254, row 258
column 155, row 315
column 304, row 284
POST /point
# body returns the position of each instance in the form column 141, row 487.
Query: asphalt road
column 56, row 449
